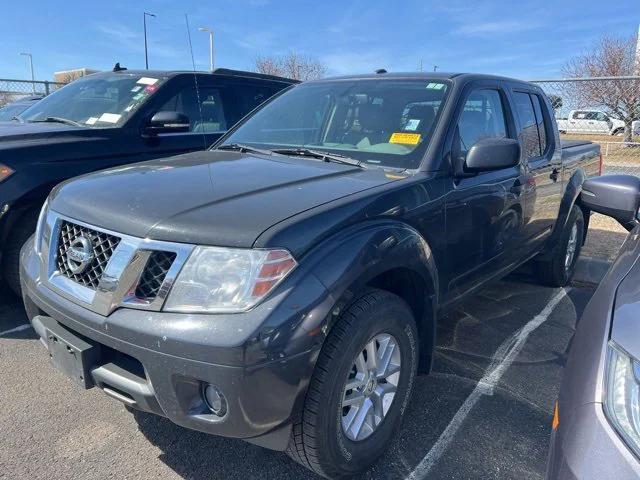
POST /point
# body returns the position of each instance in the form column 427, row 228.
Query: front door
column 207, row 111
column 483, row 211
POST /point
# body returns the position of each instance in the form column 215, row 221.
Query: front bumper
column 160, row 362
column 585, row 446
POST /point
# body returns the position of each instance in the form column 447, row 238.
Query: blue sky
column 524, row 39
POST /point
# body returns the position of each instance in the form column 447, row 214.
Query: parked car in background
column 12, row 110
column 112, row 119
column 596, row 427
column 594, row 122
column 284, row 287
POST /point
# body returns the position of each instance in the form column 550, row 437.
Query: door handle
column 555, row 173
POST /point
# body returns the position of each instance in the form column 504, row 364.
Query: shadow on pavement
column 505, row 436
column 12, row 315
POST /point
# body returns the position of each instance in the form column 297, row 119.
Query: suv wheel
column 558, row 270
column 360, row 387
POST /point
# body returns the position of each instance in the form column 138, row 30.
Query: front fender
column 347, row 263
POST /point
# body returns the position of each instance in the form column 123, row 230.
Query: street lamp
column 33, row 83
column 207, row 29
column 144, row 21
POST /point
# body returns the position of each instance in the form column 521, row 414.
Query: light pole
column 207, row 29
column 144, row 21
column 33, row 78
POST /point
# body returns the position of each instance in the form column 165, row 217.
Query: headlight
column 217, row 279
column 622, row 390
column 5, row 172
column 37, row 241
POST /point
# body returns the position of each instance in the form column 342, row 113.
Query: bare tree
column 5, row 98
column 611, row 57
column 292, row 65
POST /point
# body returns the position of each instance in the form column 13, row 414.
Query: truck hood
column 11, row 132
column 208, row 198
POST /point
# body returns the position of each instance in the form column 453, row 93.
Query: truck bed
column 581, row 153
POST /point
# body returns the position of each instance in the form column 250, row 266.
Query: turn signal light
column 5, row 172
column 556, row 418
column 278, row 264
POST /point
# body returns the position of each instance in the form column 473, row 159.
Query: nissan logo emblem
column 80, row 254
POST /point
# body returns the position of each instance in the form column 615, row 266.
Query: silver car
column 596, row 425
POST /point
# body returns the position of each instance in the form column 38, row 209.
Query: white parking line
column 501, row 361
column 19, row 328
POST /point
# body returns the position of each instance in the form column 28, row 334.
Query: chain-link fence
column 605, row 110
column 12, row 90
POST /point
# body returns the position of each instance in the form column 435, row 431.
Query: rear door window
column 250, row 96
column 528, row 134
column 538, row 106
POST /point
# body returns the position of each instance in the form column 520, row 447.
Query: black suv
column 110, row 119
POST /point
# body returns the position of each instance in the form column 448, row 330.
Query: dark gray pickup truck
column 284, row 287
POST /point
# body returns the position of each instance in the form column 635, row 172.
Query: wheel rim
column 371, row 386
column 571, row 247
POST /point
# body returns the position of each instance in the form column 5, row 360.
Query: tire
column 319, row 440
column 558, row 269
column 20, row 233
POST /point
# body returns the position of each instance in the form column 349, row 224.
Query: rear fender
column 569, row 199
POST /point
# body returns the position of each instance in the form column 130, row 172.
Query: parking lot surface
column 485, row 412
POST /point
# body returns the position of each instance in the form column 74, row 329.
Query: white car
column 595, row 122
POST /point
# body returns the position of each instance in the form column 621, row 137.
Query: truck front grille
column 153, row 275
column 102, row 245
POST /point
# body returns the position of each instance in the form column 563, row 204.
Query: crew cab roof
column 465, row 77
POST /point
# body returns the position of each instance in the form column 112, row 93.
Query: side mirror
column 492, row 154
column 617, row 196
column 168, row 122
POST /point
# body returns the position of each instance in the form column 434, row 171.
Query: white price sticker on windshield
column 147, row 81
column 91, row 120
column 109, row 118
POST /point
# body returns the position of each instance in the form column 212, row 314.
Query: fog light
column 215, row 400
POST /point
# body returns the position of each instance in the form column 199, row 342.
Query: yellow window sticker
column 405, row 138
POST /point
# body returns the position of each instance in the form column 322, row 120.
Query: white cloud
column 495, row 28
column 133, row 41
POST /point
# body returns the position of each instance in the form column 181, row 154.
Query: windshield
column 12, row 110
column 95, row 101
column 378, row 122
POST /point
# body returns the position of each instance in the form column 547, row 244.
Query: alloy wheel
column 371, row 386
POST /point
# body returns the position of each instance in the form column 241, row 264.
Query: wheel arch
column 387, row 255
column 570, row 198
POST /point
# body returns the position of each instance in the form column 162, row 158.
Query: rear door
column 541, row 158
column 484, row 210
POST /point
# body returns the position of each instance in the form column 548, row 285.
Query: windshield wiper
column 17, row 118
column 238, row 147
column 57, row 120
column 324, row 156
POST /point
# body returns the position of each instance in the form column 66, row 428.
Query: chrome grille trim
column 103, row 246
column 154, row 273
column 121, row 273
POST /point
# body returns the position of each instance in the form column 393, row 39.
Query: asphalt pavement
column 484, row 412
